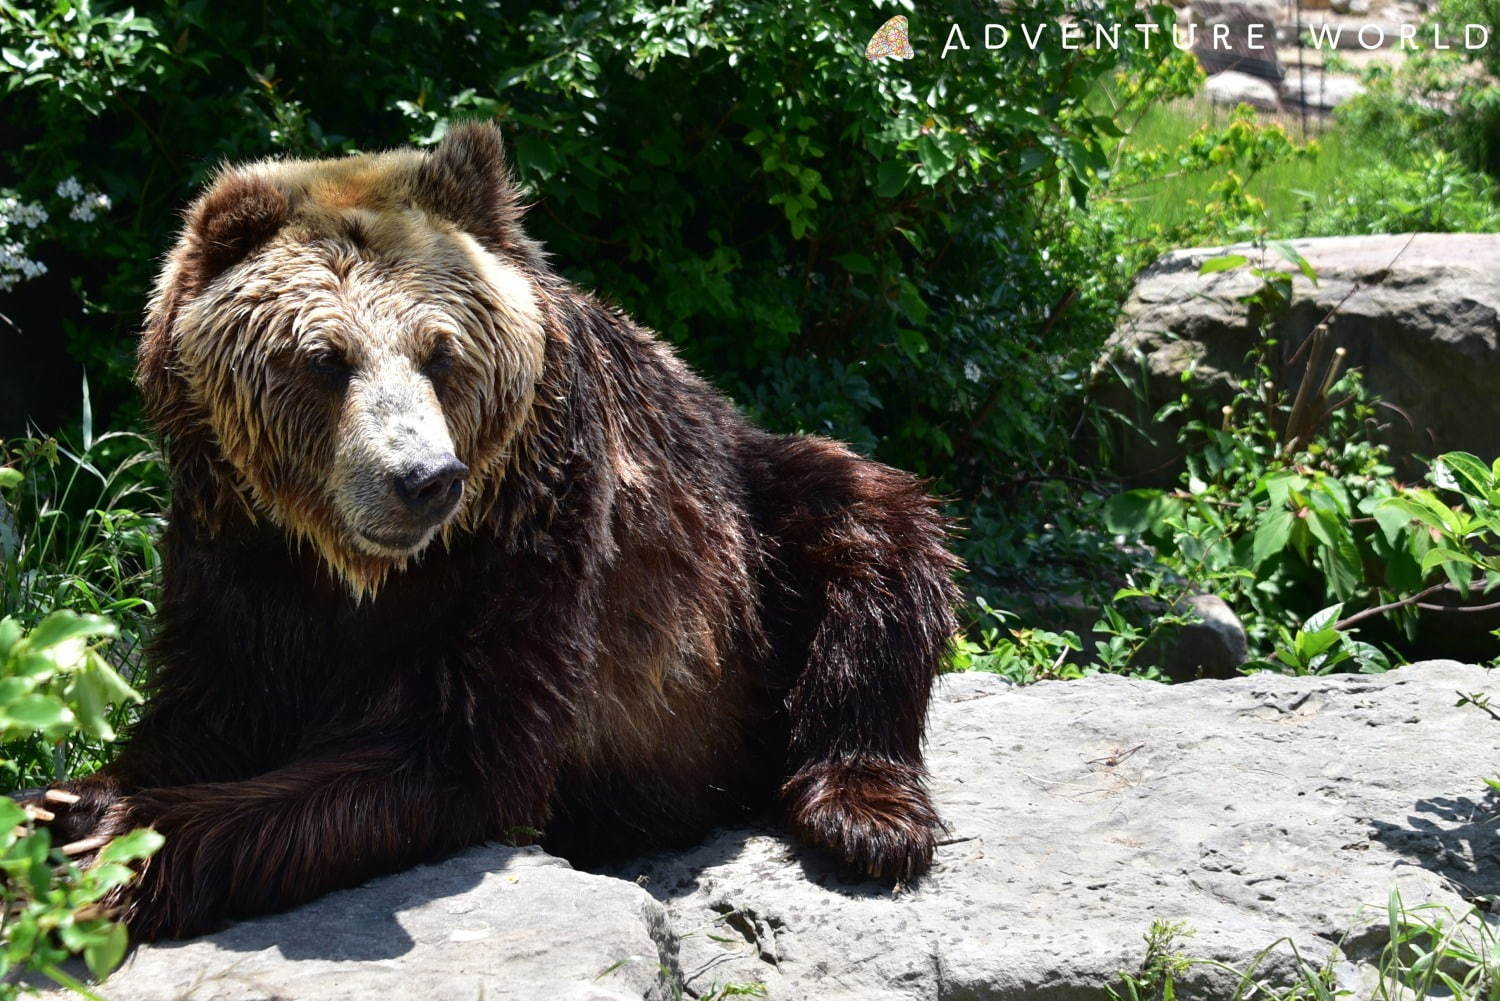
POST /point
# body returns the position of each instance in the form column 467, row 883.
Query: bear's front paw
column 72, row 811
column 83, row 818
column 873, row 814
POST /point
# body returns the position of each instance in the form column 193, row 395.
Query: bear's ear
column 466, row 181
column 238, row 214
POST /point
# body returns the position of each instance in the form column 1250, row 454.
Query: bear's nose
column 431, row 490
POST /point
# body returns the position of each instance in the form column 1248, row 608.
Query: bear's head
column 348, row 348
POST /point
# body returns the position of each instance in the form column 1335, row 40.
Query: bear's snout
column 397, row 475
column 431, row 490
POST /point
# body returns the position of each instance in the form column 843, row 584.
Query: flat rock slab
column 1254, row 809
column 492, row 924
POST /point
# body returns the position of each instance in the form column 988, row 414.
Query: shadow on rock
column 678, row 875
column 359, row 925
column 1455, row 837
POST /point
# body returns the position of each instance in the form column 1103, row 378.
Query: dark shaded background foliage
column 867, row 250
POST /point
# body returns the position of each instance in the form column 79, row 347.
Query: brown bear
column 457, row 551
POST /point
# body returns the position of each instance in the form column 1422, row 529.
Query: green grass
column 1430, row 952
column 1169, row 200
column 1355, row 179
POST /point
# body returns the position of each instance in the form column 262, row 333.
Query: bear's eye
column 439, row 361
column 330, row 367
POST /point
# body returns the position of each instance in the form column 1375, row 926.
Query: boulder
column 1211, row 644
column 1255, row 809
column 1420, row 315
column 1233, row 88
column 1323, row 91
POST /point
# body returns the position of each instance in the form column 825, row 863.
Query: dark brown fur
column 660, row 617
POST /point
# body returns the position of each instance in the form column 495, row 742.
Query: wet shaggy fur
column 645, row 617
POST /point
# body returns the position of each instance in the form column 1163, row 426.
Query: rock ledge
column 1251, row 809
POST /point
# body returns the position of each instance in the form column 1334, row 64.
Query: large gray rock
column 1251, row 809
column 1234, row 88
column 493, row 923
column 1420, row 315
column 1212, row 644
column 1323, row 91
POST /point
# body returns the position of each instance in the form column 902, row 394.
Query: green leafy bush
column 1429, row 951
column 1288, row 503
column 1433, row 194
column 54, row 680
column 1466, row 537
column 56, row 684
column 79, row 530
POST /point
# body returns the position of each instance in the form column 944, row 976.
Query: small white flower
column 30, row 215
column 70, row 188
column 90, row 205
column 971, row 371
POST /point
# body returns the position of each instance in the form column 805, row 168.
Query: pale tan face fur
column 366, row 345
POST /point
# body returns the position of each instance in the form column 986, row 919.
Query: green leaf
column 9, row 477
column 89, row 706
column 37, row 712
column 1474, row 472
column 1311, row 642
column 857, row 264
column 1393, row 523
column 936, row 161
column 1323, row 619
column 1289, row 252
column 10, row 634
column 87, row 425
column 1421, row 505
column 112, row 687
column 890, row 177
column 1138, row 512
column 106, row 951
column 12, row 689
column 1271, row 537
column 11, row 813
column 912, row 342
column 1226, row 263
column 64, row 625
column 140, row 843
column 1438, row 555
column 1280, row 486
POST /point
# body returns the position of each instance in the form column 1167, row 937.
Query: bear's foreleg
column 864, row 552
column 166, row 748
column 269, row 843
